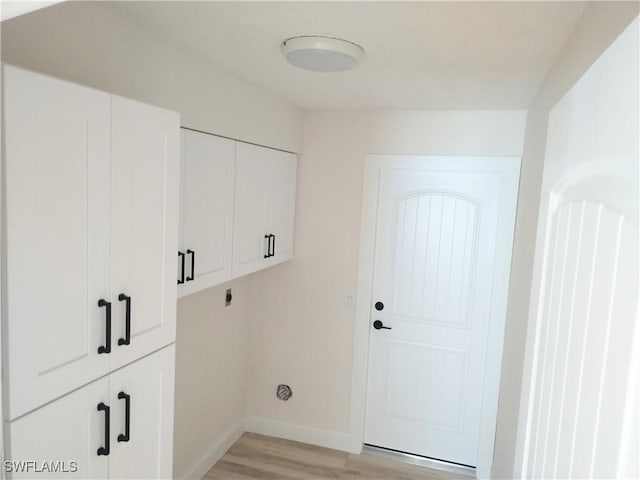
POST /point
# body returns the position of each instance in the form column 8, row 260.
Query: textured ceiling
column 419, row 55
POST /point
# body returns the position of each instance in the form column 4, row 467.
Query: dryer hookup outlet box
column 228, row 297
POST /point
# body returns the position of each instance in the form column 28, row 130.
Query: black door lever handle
column 378, row 325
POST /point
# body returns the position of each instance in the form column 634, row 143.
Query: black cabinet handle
column 106, row 348
column 181, row 279
column 193, row 265
column 271, row 246
column 124, row 437
column 379, row 325
column 127, row 320
column 268, row 239
column 107, row 420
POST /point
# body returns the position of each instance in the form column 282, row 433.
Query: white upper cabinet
column 264, row 208
column 91, row 228
column 58, row 177
column 207, row 196
column 144, row 227
column 280, row 194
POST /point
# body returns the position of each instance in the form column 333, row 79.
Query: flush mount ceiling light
column 322, row 54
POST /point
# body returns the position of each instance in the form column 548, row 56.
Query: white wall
column 87, row 44
column 599, row 26
column 301, row 332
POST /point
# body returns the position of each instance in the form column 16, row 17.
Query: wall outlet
column 228, row 297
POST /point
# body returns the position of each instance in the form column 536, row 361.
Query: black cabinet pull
column 268, row 239
column 124, row 437
column 127, row 320
column 193, row 265
column 271, row 246
column 107, row 420
column 106, row 348
column 181, row 279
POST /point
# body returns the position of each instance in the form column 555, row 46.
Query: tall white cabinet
column 91, row 222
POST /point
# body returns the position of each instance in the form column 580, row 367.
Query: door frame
column 509, row 167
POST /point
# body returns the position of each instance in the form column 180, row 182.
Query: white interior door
column 144, row 219
column 207, row 209
column 57, row 159
column 580, row 395
column 443, row 235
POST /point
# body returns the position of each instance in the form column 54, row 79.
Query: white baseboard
column 215, row 452
column 301, row 433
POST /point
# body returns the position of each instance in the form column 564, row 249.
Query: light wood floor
column 259, row 457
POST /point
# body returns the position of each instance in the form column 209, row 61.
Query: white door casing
column 580, row 389
column 427, row 198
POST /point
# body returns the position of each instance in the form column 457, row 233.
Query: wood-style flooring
column 265, row 458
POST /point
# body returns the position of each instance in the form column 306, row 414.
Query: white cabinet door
column 249, row 243
column 144, row 227
column 264, row 208
column 280, row 201
column 57, row 149
column 208, row 168
column 118, row 427
column 142, row 447
column 61, row 440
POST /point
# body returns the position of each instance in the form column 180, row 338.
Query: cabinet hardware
column 107, row 418
column 193, row 265
column 124, row 437
column 378, row 325
column 268, row 239
column 127, row 320
column 181, row 279
column 106, row 348
column 271, row 246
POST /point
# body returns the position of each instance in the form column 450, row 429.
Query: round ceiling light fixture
column 322, row 54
